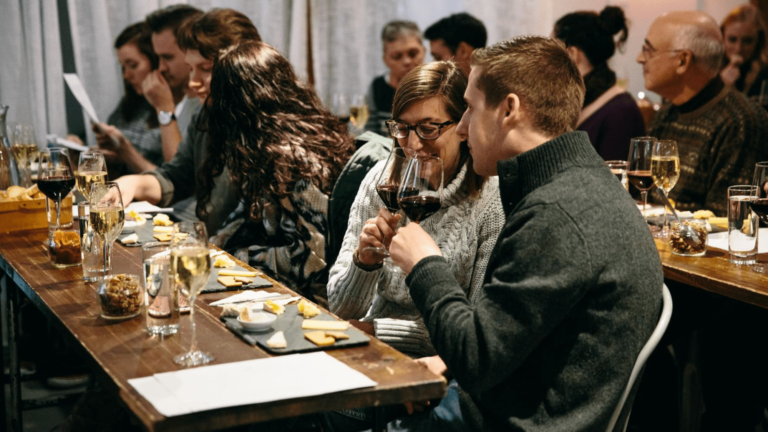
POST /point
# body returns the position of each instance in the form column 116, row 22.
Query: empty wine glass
column 107, row 216
column 421, row 189
column 91, row 169
column 665, row 168
column 190, row 268
column 639, row 166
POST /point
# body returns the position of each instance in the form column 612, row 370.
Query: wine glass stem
column 58, row 213
column 645, row 200
column 107, row 254
column 193, row 347
column 665, row 228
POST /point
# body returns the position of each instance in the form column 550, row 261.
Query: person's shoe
column 68, row 381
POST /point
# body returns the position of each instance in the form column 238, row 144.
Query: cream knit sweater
column 465, row 229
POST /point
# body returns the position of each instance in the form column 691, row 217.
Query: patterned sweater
column 465, row 229
column 288, row 243
column 720, row 136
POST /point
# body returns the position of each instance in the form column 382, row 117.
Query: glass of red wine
column 639, row 166
column 760, row 204
column 421, row 189
column 388, row 186
column 55, row 178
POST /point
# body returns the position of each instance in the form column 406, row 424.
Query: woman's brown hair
column 136, row 34
column 269, row 129
column 447, row 82
column 214, row 31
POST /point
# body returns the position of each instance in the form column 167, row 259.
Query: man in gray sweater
column 573, row 287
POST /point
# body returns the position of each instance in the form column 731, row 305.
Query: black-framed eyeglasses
column 426, row 131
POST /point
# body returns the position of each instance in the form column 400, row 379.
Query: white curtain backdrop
column 345, row 40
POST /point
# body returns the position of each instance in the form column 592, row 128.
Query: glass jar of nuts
column 120, row 296
column 679, row 246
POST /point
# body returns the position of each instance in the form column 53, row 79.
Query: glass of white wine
column 91, row 169
column 107, row 216
column 24, row 150
column 190, row 268
column 358, row 112
column 665, row 169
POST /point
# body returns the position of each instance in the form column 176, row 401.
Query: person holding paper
column 202, row 38
column 166, row 90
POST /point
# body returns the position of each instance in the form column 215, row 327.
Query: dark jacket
column 376, row 148
column 571, row 295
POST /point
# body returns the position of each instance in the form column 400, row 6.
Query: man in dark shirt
column 455, row 37
column 720, row 133
column 573, row 286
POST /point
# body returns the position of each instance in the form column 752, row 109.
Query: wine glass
column 388, row 187
column 190, row 268
column 24, row 150
column 55, row 179
column 340, row 106
column 358, row 112
column 107, row 216
column 639, row 166
column 91, row 169
column 665, row 168
column 421, row 189
column 760, row 204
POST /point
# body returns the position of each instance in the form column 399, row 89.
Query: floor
column 45, row 419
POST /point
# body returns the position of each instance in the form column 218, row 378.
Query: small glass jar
column 64, row 247
column 120, row 296
column 678, row 245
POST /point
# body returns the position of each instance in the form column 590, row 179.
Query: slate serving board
column 143, row 231
column 290, row 324
column 214, row 286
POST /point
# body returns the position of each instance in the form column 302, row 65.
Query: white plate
column 261, row 321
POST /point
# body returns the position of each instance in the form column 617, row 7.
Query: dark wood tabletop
column 714, row 272
column 121, row 350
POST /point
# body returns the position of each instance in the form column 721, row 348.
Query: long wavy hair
column 136, row 34
column 269, row 129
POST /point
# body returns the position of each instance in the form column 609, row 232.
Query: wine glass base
column 193, row 358
column 760, row 268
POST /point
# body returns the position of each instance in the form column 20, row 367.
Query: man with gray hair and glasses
column 720, row 133
column 720, row 136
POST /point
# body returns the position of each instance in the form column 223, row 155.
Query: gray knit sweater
column 571, row 294
column 465, row 229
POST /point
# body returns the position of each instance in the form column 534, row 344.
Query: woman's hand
column 411, row 245
column 435, row 364
column 376, row 233
column 731, row 72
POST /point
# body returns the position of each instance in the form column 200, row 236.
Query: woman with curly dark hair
column 283, row 152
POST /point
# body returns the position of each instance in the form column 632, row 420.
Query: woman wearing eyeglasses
column 427, row 107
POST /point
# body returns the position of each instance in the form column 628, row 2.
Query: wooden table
column 713, row 272
column 121, row 350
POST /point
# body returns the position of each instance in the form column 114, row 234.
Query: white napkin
column 720, row 241
column 246, row 296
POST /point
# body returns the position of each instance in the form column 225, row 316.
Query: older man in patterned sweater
column 719, row 132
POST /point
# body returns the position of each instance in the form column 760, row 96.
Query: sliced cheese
column 223, row 261
column 243, row 280
column 277, row 340
column 228, row 281
column 703, row 214
column 131, row 239
column 272, row 307
column 162, row 237
column 162, row 219
column 319, row 338
column 237, row 273
column 324, row 325
column 337, row 335
column 163, row 229
column 308, row 309
column 245, row 314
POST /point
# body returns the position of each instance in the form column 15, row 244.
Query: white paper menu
column 76, row 86
column 248, row 382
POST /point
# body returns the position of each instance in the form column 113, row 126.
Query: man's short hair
column 171, row 17
column 706, row 46
column 394, row 30
column 457, row 28
column 541, row 73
